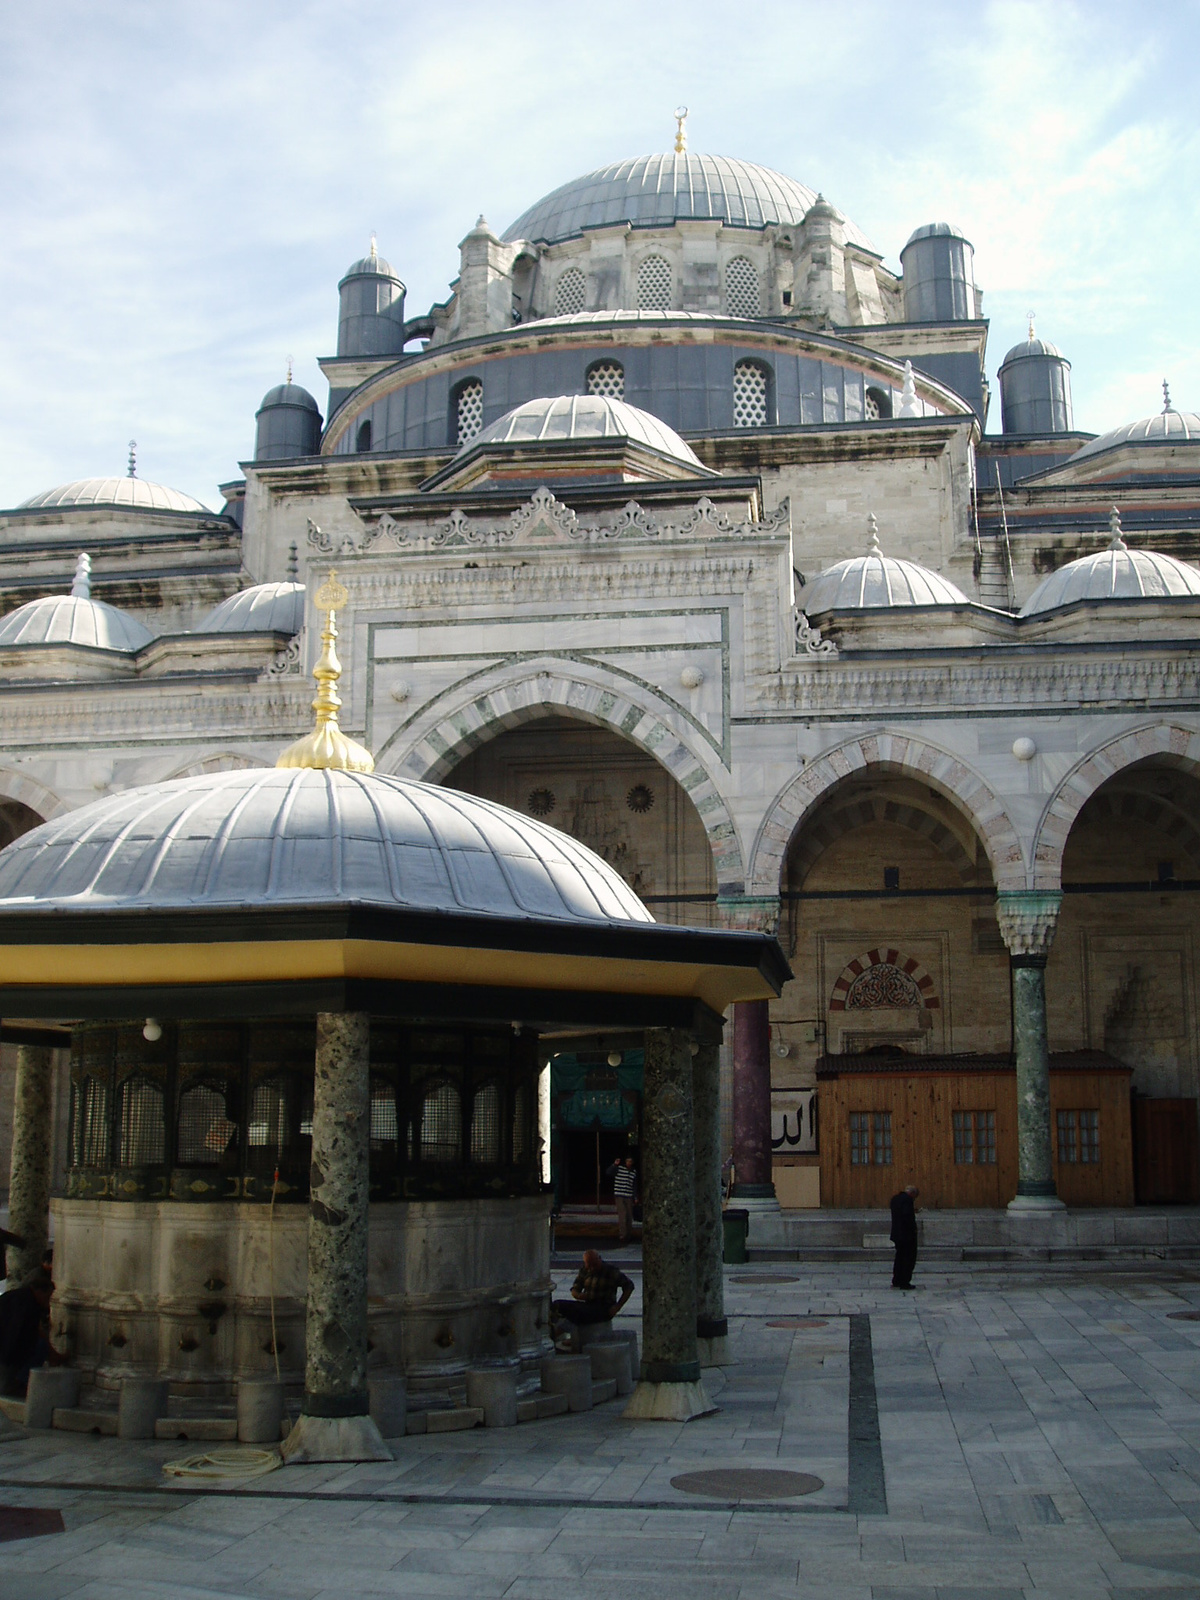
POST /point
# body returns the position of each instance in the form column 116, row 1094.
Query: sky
column 182, row 186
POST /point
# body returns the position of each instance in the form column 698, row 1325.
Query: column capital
column 1028, row 919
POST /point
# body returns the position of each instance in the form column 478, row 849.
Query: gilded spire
column 681, row 116
column 327, row 745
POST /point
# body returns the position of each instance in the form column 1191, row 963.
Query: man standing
column 624, row 1176
column 904, row 1236
column 25, row 1333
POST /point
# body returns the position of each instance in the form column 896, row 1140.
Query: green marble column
column 1028, row 920
column 335, row 1425
column 711, row 1325
column 32, row 1154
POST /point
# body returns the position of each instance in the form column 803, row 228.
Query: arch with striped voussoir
column 883, row 978
column 836, row 822
column 1135, row 808
column 20, row 795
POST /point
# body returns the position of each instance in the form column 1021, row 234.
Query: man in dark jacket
column 904, row 1236
column 25, row 1333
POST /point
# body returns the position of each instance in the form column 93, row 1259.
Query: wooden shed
column 949, row 1125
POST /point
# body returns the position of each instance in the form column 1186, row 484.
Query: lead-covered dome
column 558, row 418
column 1166, row 427
column 658, row 191
column 297, row 836
column 873, row 580
column 73, row 619
column 124, row 493
column 263, row 608
column 1117, row 573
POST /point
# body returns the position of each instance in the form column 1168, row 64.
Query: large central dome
column 658, row 191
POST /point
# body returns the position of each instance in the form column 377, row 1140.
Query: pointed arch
column 886, row 752
column 1180, row 746
column 433, row 743
column 17, row 786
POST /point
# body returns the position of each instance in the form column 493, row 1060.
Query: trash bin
column 737, row 1226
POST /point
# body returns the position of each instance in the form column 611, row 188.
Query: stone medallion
column 748, row 1483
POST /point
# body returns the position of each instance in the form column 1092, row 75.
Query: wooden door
column 1166, row 1152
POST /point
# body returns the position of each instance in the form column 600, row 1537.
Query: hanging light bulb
column 152, row 1030
column 615, row 1058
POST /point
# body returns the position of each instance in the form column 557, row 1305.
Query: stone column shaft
column 1028, row 920
column 29, row 1171
column 752, row 1101
column 668, row 1211
column 711, row 1325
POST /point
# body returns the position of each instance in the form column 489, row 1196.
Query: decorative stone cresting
column 1158, row 739
column 885, row 752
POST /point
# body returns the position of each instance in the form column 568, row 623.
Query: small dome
column 264, row 608
column 126, row 493
column 874, row 579
column 584, row 416
column 71, row 619
column 371, row 266
column 1117, row 573
column 297, row 836
column 1032, row 347
column 289, row 394
column 1167, row 427
column 935, row 230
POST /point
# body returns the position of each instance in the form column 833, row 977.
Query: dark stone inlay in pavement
column 28, row 1522
column 798, row 1322
column 1184, row 1316
column 867, row 1490
column 768, row 1277
column 747, row 1483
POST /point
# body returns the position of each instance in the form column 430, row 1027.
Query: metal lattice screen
column 205, row 1128
column 654, row 284
column 142, row 1132
column 385, row 1129
column 570, row 293
column 441, row 1124
column 485, row 1125
column 520, row 1128
column 871, row 407
column 749, row 395
column 742, row 298
column 607, row 378
column 469, row 417
column 89, row 1123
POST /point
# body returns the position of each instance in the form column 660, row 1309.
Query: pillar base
column 714, row 1352
column 1037, row 1202
column 668, row 1402
column 334, row 1439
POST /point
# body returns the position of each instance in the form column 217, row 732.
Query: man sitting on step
column 598, row 1293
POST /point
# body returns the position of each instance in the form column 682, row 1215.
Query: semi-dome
column 264, row 608
column 658, row 191
column 1166, row 427
column 299, row 836
column 557, row 418
column 874, row 579
column 1117, row 573
column 74, row 619
column 125, row 493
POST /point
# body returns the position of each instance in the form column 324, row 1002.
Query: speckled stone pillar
column 670, row 1387
column 1027, row 922
column 711, row 1326
column 335, row 1424
column 29, row 1172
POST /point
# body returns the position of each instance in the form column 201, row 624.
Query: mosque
column 684, row 526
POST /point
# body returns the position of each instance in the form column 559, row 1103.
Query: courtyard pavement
column 999, row 1433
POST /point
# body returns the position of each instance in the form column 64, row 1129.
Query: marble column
column 32, row 1155
column 711, row 1326
column 753, row 1187
column 335, row 1424
column 1028, row 919
column 670, row 1387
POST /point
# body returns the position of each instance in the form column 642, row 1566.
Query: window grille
column 654, row 284
column 268, row 1129
column 881, row 1127
column 441, row 1124
column 742, row 297
column 485, row 1125
column 974, row 1138
column 142, row 1133
column 607, row 378
column 871, row 407
column 520, row 1128
column 89, row 1123
column 860, row 1139
column 469, row 413
column 385, row 1129
column 570, row 293
column 205, row 1129
column 749, row 395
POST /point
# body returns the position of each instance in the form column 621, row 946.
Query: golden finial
column 681, row 115
column 327, row 745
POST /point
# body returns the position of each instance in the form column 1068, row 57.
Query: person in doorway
column 624, row 1176
column 598, row 1293
column 25, row 1333
column 904, row 1236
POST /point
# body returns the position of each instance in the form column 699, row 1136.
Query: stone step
column 196, row 1428
column 14, row 1410
column 603, row 1389
column 81, row 1419
column 454, row 1421
column 551, row 1405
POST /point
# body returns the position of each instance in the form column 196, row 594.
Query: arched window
column 608, row 378
column 654, row 284
column 570, row 293
column 141, row 1136
column 877, row 403
column 750, row 395
column 90, row 1133
column 468, row 411
column 362, row 441
column 441, row 1124
column 742, row 297
column 279, row 1127
column 205, row 1132
column 520, row 1127
column 485, row 1125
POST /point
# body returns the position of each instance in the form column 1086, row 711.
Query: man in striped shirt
column 624, row 1176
